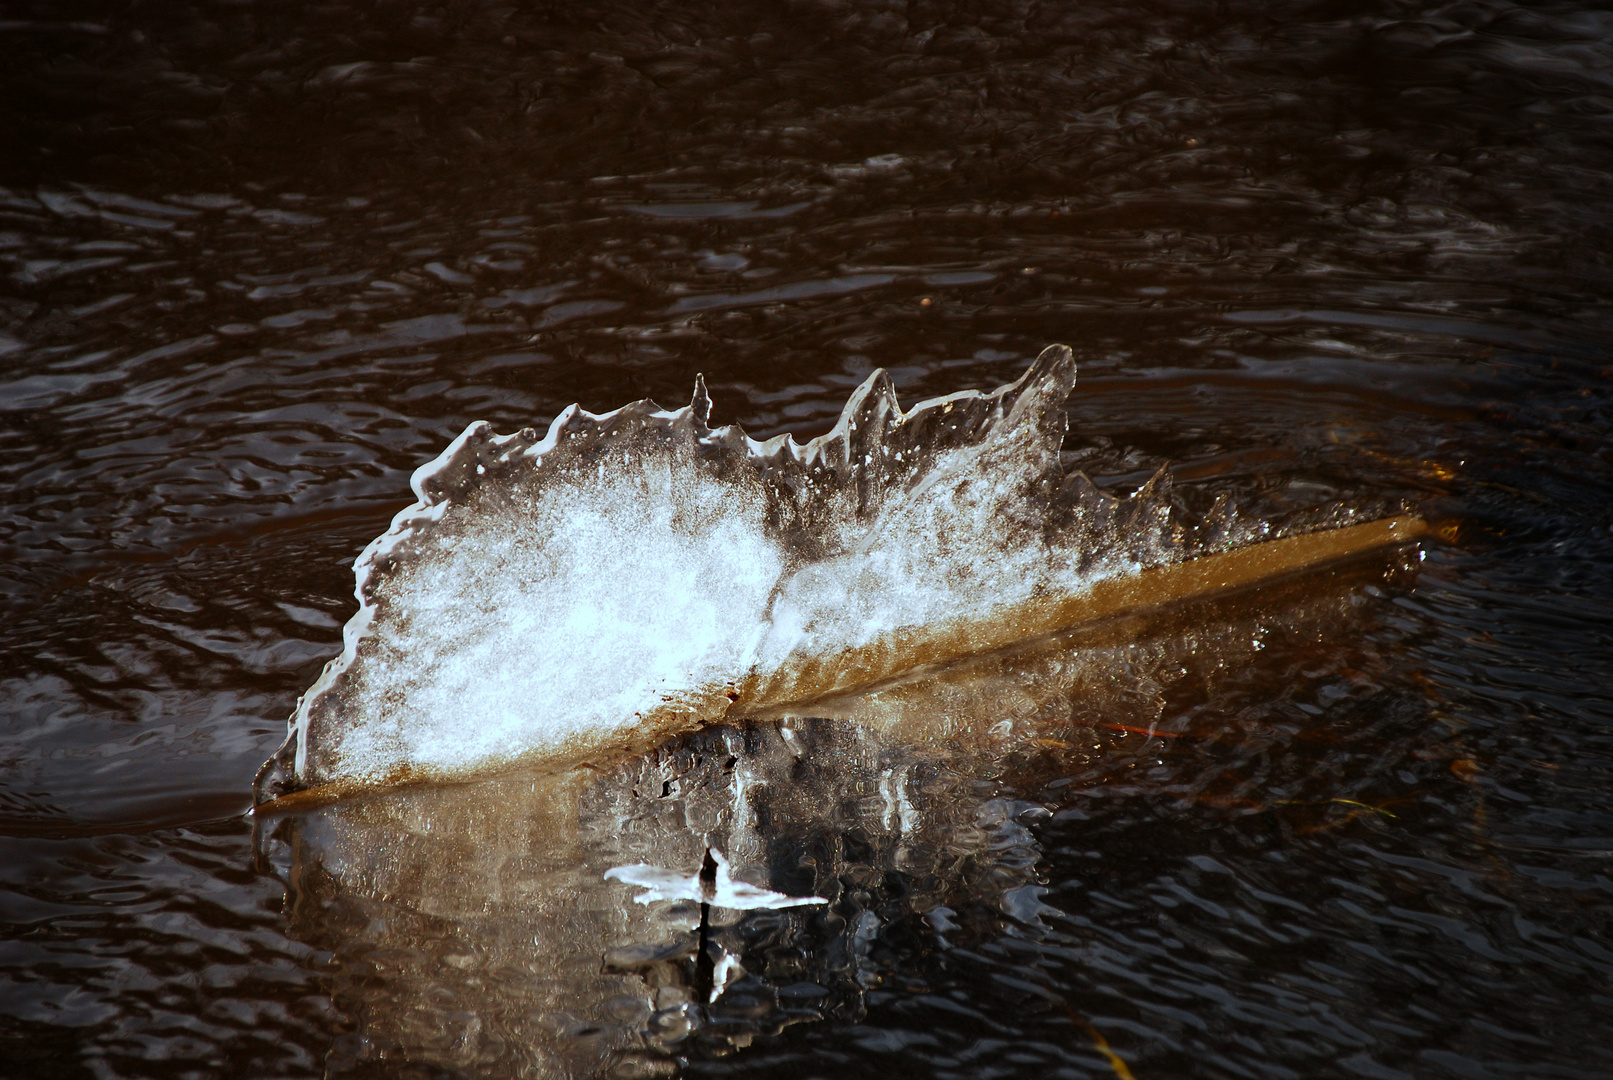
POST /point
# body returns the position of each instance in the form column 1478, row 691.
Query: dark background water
column 260, row 261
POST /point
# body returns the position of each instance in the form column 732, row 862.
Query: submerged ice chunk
column 713, row 885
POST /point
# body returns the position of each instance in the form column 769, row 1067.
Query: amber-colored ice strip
column 1149, row 590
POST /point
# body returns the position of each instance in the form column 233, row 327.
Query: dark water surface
column 260, row 261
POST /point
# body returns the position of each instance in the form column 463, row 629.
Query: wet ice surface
column 261, row 264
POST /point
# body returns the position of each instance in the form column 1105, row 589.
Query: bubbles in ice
column 634, row 573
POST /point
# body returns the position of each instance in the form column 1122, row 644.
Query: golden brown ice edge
column 853, row 670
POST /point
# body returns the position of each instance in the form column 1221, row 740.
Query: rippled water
column 260, row 262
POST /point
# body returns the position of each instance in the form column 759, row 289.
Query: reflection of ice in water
column 718, row 888
column 483, row 929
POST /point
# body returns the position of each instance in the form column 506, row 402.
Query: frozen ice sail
column 636, row 573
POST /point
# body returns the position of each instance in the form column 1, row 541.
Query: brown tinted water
column 260, row 262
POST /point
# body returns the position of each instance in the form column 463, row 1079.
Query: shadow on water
column 475, row 931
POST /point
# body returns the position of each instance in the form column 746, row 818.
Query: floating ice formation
column 633, row 573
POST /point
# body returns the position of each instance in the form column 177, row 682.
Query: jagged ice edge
column 426, row 510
